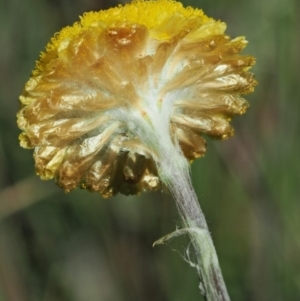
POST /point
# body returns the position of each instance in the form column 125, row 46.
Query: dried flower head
column 111, row 92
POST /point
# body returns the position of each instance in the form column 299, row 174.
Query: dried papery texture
column 105, row 87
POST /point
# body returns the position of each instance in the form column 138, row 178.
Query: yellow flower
column 112, row 92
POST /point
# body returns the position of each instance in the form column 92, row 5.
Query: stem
column 174, row 172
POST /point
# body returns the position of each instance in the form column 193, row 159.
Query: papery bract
column 105, row 86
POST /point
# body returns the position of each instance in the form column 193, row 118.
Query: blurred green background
column 79, row 247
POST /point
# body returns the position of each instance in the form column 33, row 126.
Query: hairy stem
column 174, row 172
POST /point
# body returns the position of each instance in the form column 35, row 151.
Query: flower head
column 111, row 89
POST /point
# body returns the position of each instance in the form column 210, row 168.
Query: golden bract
column 103, row 85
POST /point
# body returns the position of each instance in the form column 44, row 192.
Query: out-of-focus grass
column 81, row 247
